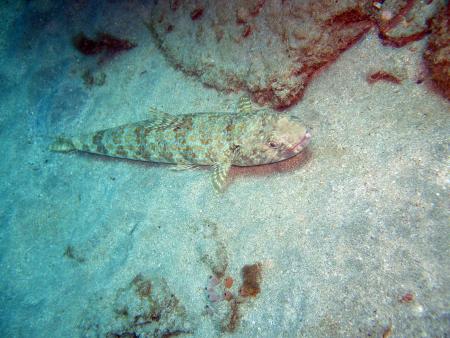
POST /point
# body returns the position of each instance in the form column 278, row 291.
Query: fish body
column 243, row 138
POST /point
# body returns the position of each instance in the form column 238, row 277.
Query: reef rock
column 402, row 22
column 143, row 308
column 269, row 48
column 437, row 55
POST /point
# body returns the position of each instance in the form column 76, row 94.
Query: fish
column 246, row 137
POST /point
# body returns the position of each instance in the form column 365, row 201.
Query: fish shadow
column 285, row 166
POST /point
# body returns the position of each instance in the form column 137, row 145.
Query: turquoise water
column 349, row 240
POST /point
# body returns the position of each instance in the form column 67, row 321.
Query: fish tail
column 62, row 144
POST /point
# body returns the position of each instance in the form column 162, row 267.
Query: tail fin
column 62, row 144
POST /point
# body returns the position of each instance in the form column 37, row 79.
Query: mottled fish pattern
column 243, row 138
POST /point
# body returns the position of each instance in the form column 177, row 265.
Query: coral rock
column 437, row 55
column 274, row 59
column 402, row 22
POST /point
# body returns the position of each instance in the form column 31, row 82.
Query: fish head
column 278, row 138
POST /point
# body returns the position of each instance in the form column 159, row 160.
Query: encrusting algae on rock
column 251, row 275
column 220, row 140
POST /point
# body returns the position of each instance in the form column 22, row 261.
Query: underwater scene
column 240, row 168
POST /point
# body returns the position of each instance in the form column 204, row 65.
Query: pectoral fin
column 219, row 175
column 245, row 105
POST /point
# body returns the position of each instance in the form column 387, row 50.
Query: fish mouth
column 302, row 143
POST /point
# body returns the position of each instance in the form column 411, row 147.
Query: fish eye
column 273, row 144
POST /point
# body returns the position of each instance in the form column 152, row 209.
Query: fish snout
column 304, row 141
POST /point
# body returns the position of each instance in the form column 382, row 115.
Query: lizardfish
column 246, row 137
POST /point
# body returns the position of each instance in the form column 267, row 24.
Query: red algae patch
column 196, row 13
column 222, row 293
column 407, row 298
column 103, row 42
column 382, row 75
column 251, row 275
column 228, row 282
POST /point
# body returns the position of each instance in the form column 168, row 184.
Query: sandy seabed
column 352, row 239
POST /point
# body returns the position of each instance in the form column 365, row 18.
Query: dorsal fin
column 162, row 120
column 245, row 105
column 158, row 113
